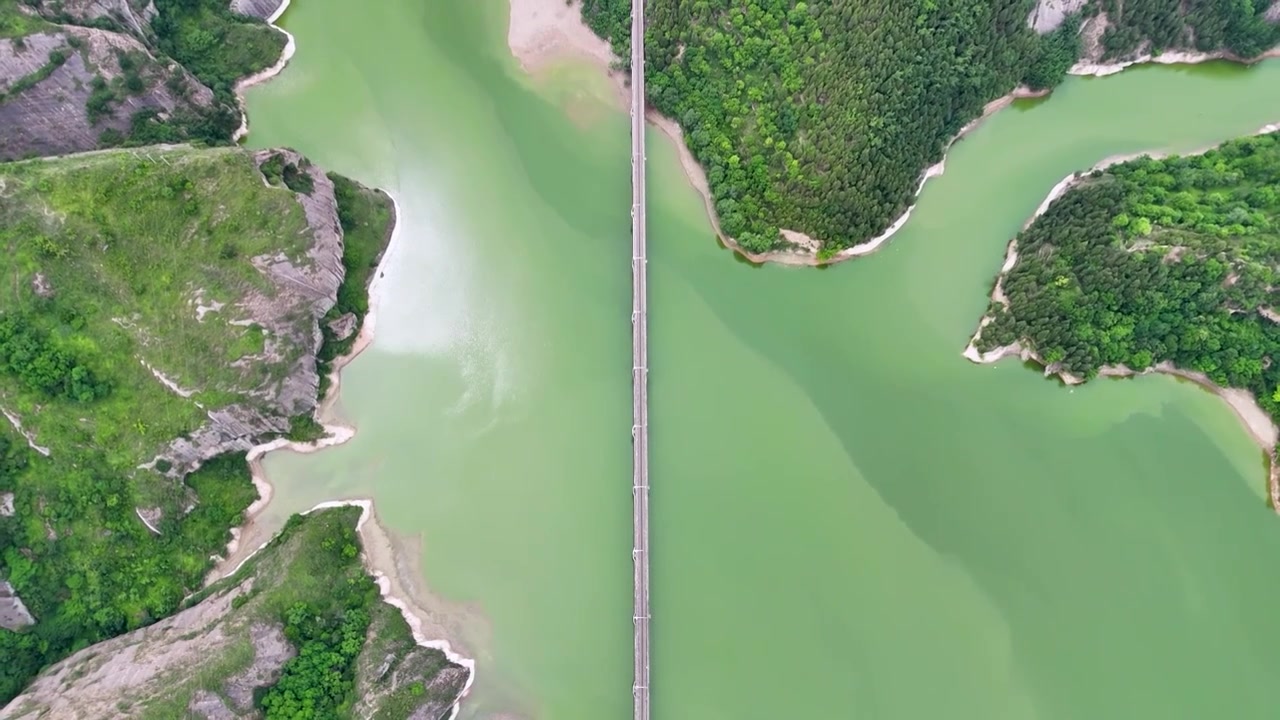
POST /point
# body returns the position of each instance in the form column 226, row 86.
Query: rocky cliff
column 171, row 306
column 131, row 16
column 1113, row 33
column 78, row 75
column 261, row 9
column 68, row 89
column 302, row 289
column 219, row 657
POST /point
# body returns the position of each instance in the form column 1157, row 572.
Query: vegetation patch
column 1204, row 25
column 106, row 256
column 367, row 218
column 57, row 58
column 15, row 23
column 1157, row 260
column 819, row 117
column 216, row 45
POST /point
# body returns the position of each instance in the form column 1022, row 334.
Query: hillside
column 820, row 118
column 83, row 74
column 301, row 625
column 167, row 308
column 1118, row 31
column 1166, row 263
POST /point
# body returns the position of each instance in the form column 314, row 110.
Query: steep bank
column 230, row 652
column 77, row 75
column 373, row 227
column 68, row 89
column 185, row 296
column 1114, row 38
column 269, row 11
column 1175, row 245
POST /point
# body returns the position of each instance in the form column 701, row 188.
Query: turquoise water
column 849, row 519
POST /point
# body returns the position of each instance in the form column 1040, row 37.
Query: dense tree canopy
column 819, row 117
column 1157, row 260
column 1205, row 25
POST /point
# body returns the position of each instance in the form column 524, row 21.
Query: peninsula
column 1154, row 265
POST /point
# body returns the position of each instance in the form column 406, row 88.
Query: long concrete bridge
column 639, row 372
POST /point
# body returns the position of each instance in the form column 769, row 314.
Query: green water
column 849, row 519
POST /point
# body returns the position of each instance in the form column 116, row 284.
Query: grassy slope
column 128, row 241
column 14, row 23
column 125, row 237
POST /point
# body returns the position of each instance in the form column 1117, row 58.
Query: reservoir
column 849, row 520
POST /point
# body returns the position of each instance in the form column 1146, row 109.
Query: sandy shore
column 378, row 554
column 289, row 47
column 544, row 31
column 1260, row 426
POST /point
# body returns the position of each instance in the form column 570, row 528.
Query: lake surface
column 849, row 520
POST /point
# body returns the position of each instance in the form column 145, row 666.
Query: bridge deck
column 639, row 371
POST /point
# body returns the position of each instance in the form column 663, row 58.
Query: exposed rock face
column 343, row 326
column 307, row 290
column 261, row 9
column 208, row 660
column 133, row 16
column 1049, row 14
column 92, row 683
column 208, row 706
column 52, row 117
column 271, row 649
column 13, row 613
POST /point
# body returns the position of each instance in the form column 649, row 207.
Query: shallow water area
column 849, row 519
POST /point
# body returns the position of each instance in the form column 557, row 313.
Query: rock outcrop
column 290, row 314
column 13, row 613
column 49, row 112
column 261, row 9
column 132, row 16
column 1048, row 15
column 211, row 659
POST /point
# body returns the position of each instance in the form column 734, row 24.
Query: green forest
column 820, row 117
column 1204, row 25
column 1157, row 260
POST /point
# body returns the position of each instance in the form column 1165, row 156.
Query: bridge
column 639, row 373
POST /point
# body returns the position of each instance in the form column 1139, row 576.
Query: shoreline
column 542, row 31
column 1173, row 57
column 369, row 533
column 290, row 46
column 336, row 433
column 1261, row 428
column 377, row 560
column 811, row 259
